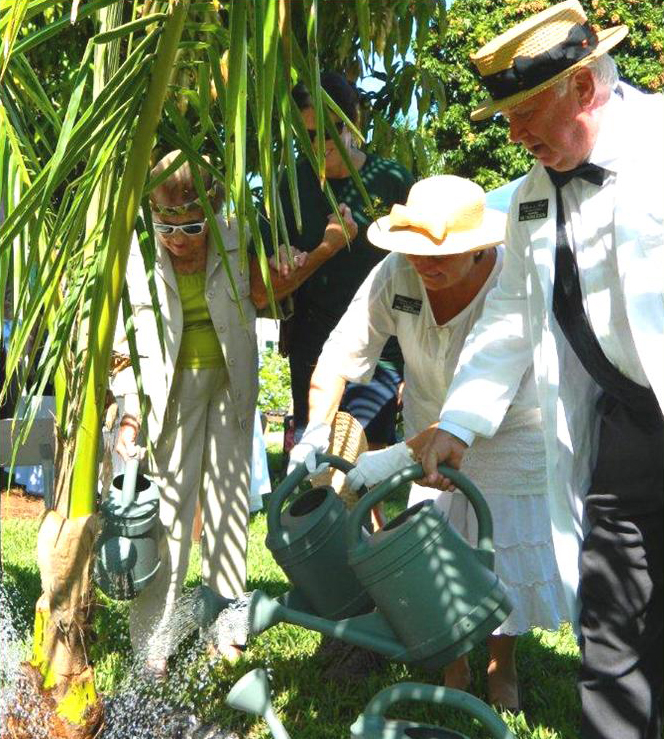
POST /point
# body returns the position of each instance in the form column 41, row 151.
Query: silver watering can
column 127, row 548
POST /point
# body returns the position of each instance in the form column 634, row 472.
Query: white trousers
column 202, row 453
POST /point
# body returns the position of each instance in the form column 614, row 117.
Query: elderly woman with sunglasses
column 201, row 387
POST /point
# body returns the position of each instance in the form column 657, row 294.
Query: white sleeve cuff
column 467, row 436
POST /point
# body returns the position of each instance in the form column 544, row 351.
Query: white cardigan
column 236, row 333
column 518, row 326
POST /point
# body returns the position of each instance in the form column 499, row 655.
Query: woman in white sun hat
column 445, row 257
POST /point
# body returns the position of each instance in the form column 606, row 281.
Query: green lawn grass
column 310, row 705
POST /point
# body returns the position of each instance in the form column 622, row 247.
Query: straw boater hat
column 443, row 215
column 537, row 53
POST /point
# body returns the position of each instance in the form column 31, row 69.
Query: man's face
column 553, row 128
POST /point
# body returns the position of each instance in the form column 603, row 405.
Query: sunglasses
column 189, row 229
column 339, row 125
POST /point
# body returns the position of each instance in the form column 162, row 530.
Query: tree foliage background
column 481, row 150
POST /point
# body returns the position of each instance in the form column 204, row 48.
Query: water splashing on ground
column 142, row 706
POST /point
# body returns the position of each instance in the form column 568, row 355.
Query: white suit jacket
column 236, row 334
column 518, row 326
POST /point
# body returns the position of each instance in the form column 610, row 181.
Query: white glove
column 374, row 467
column 315, row 440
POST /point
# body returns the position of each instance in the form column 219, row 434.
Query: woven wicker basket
column 347, row 441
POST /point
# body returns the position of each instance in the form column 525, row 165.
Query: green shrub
column 274, row 393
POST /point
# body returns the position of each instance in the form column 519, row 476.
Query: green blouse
column 200, row 347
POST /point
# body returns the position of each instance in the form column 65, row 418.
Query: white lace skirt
column 514, row 486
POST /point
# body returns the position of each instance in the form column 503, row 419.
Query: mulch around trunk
column 16, row 503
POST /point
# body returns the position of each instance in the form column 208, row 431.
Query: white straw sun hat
column 443, row 215
column 537, row 53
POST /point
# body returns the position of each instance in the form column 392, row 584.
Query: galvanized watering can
column 435, row 596
column 127, row 550
column 252, row 694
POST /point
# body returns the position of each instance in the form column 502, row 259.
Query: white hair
column 603, row 69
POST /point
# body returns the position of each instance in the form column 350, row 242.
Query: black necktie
column 568, row 305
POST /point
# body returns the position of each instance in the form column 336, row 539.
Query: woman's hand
column 334, row 237
column 126, row 444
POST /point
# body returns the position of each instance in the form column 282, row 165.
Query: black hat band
column 528, row 72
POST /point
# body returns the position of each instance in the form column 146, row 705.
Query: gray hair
column 604, row 71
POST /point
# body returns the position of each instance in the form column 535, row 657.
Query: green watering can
column 308, row 541
column 372, row 724
column 127, row 549
column 252, row 694
column 435, row 596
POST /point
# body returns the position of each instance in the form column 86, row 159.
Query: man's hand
column 374, row 467
column 126, row 444
column 284, row 268
column 334, row 238
column 442, row 447
column 315, row 440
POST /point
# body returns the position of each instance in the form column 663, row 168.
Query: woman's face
column 440, row 273
column 179, row 243
column 334, row 164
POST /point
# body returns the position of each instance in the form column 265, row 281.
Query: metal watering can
column 252, row 694
column 127, row 549
column 436, row 597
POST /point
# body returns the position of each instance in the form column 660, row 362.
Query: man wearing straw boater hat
column 445, row 257
column 581, row 291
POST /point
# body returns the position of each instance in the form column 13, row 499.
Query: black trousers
column 621, row 580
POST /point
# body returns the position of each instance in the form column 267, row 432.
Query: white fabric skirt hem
column 524, row 556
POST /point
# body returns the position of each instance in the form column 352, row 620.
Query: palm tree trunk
column 62, row 614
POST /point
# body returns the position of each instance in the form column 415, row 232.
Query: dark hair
column 343, row 92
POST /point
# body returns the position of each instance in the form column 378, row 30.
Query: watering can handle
column 450, row 697
column 291, row 482
column 415, row 472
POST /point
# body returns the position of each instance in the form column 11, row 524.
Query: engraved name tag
column 533, row 209
column 407, row 305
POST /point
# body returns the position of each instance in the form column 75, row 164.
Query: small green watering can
column 127, row 549
column 308, row 540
